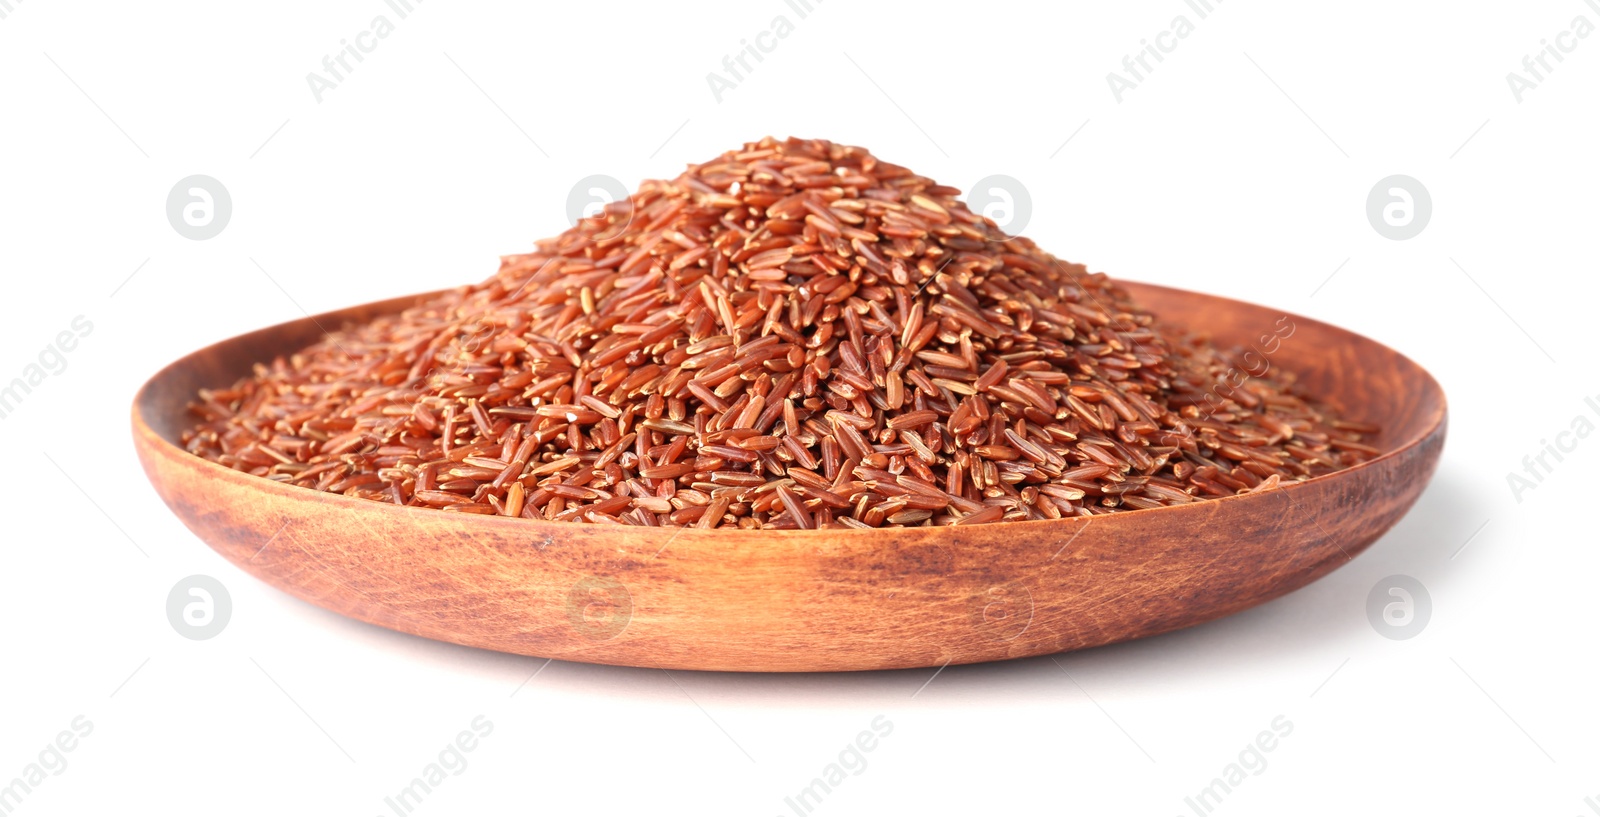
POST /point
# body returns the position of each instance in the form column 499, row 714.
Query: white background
column 1240, row 166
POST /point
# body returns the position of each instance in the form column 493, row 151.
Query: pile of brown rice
column 792, row 335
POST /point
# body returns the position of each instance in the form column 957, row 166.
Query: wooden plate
column 810, row 600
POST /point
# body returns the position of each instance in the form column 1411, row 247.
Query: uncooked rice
column 792, row 335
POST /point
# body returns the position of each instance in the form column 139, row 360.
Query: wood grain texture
column 810, row 600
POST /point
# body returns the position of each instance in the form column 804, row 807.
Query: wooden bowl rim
column 1431, row 391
